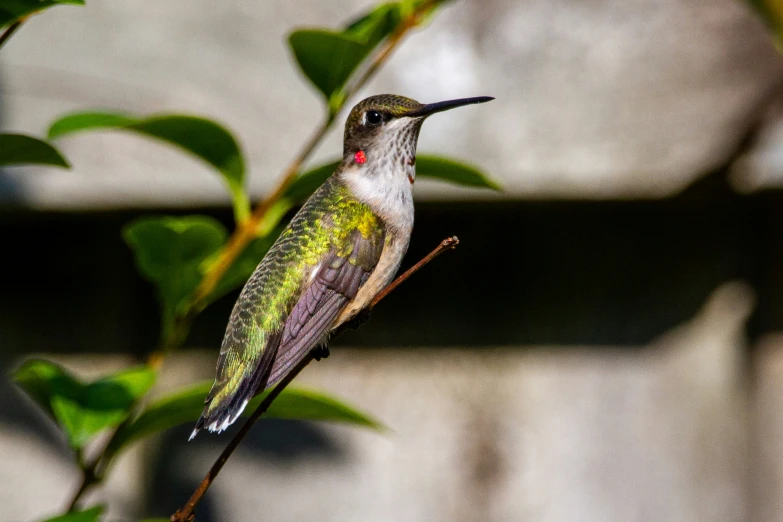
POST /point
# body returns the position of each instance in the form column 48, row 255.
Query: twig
column 410, row 22
column 186, row 513
column 88, row 480
column 449, row 243
column 87, row 474
column 11, row 30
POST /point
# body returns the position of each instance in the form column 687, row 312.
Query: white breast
column 388, row 193
column 386, row 190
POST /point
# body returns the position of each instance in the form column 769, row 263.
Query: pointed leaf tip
column 13, row 11
column 453, row 171
column 185, row 406
column 19, row 149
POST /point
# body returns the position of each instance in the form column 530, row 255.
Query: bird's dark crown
column 392, row 105
column 369, row 115
column 367, row 120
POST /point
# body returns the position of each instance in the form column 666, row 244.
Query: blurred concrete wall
column 668, row 432
column 601, row 100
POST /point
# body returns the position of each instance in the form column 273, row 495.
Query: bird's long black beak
column 432, row 108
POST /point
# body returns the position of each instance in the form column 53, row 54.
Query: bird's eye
column 373, row 118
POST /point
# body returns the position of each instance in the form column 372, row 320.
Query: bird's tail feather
column 224, row 406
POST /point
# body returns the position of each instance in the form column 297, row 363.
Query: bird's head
column 384, row 129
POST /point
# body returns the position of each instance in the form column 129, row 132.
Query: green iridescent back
column 323, row 224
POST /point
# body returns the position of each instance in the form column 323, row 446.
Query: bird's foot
column 320, row 352
column 359, row 319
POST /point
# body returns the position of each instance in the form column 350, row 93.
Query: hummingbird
column 339, row 251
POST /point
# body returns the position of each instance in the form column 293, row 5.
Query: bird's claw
column 359, row 319
column 320, row 352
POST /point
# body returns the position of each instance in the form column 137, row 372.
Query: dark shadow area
column 12, row 193
column 589, row 273
column 600, row 273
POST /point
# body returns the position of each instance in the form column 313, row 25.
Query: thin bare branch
column 449, row 243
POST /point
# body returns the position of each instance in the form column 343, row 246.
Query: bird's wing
column 279, row 318
column 335, row 283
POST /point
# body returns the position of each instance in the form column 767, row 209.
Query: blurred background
column 606, row 344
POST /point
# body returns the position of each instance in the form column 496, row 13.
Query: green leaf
column 12, row 10
column 453, row 171
column 81, row 121
column 303, row 186
column 39, row 379
column 771, row 12
column 18, row 149
column 172, row 253
column 83, row 409
column 203, row 138
column 328, row 58
column 88, row 515
column 185, row 406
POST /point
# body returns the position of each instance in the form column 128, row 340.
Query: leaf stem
column 185, row 514
column 89, row 479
